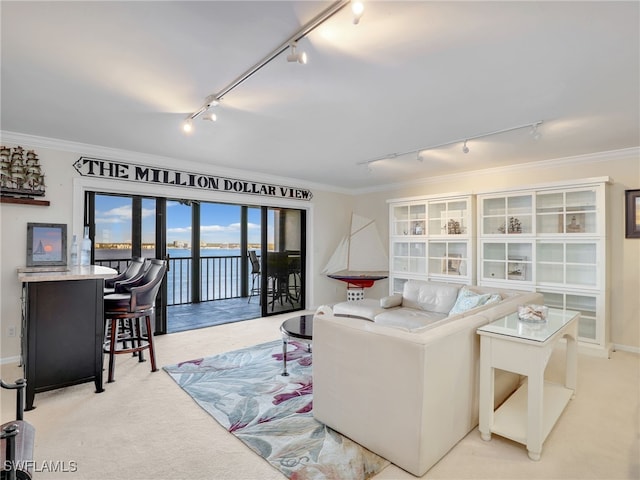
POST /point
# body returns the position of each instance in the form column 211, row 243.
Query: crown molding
column 108, row 153
column 115, row 154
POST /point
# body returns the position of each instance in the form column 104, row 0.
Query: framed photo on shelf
column 452, row 264
column 517, row 268
column 575, row 223
column 46, row 245
column 632, row 213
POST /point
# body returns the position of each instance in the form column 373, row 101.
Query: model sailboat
column 360, row 259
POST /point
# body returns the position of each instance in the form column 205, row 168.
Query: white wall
column 624, row 169
column 328, row 217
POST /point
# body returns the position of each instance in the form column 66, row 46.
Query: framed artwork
column 517, row 268
column 46, row 244
column 632, row 213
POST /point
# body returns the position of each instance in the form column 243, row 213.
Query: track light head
column 211, row 101
column 358, row 9
column 211, row 116
column 300, row 57
column 465, row 149
column 535, row 133
column 187, row 126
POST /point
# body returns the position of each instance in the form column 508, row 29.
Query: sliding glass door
column 209, row 247
column 283, row 241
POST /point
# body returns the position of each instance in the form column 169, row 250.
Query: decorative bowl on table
column 533, row 313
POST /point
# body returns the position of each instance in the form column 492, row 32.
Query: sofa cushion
column 366, row 308
column 467, row 300
column 408, row 318
column 394, row 300
column 432, row 297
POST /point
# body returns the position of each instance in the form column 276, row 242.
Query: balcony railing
column 220, row 278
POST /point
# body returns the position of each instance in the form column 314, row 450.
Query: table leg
column 486, row 389
column 534, row 413
column 285, row 341
column 571, row 374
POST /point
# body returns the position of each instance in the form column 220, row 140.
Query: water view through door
column 210, row 278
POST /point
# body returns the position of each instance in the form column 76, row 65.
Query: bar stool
column 123, row 313
column 134, row 269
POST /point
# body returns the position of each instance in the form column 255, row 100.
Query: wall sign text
column 107, row 169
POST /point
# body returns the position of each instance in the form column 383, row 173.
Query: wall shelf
column 24, row 201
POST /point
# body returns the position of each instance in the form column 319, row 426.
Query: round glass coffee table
column 299, row 328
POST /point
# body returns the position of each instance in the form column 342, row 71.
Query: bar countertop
column 73, row 273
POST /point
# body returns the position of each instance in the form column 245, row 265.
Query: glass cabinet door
column 510, row 215
column 409, row 257
column 571, row 212
column 400, row 220
column 448, row 217
column 448, row 258
column 567, row 263
column 583, row 303
column 507, row 261
column 408, row 220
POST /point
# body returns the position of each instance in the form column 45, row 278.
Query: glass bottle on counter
column 73, row 261
column 85, row 252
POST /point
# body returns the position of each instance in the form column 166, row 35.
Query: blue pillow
column 467, row 300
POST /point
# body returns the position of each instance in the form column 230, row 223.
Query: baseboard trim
column 626, row 348
column 7, row 360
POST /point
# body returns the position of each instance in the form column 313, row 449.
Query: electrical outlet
column 11, row 331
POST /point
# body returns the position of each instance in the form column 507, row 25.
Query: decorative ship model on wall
column 21, row 175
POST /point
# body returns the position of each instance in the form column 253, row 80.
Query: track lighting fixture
column 289, row 44
column 465, row 149
column 358, row 9
column 300, row 57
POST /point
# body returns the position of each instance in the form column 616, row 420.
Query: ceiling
column 410, row 75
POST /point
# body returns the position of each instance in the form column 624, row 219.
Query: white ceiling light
column 465, row 149
column 187, row 126
column 294, row 56
column 358, row 9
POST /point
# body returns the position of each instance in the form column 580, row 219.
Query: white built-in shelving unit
column 431, row 238
column 551, row 239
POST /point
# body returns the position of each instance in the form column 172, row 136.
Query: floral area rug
column 245, row 392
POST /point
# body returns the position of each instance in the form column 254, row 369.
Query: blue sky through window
column 220, row 223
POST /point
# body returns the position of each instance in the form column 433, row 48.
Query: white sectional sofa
column 405, row 385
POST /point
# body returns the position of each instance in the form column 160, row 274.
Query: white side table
column 509, row 344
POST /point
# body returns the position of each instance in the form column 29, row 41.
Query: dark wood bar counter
column 62, row 328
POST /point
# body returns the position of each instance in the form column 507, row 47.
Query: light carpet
column 245, row 392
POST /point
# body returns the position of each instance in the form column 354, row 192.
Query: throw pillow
column 494, row 298
column 467, row 300
column 394, row 300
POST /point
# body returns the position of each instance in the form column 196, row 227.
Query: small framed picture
column 452, row 264
column 632, row 213
column 517, row 268
column 46, row 244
